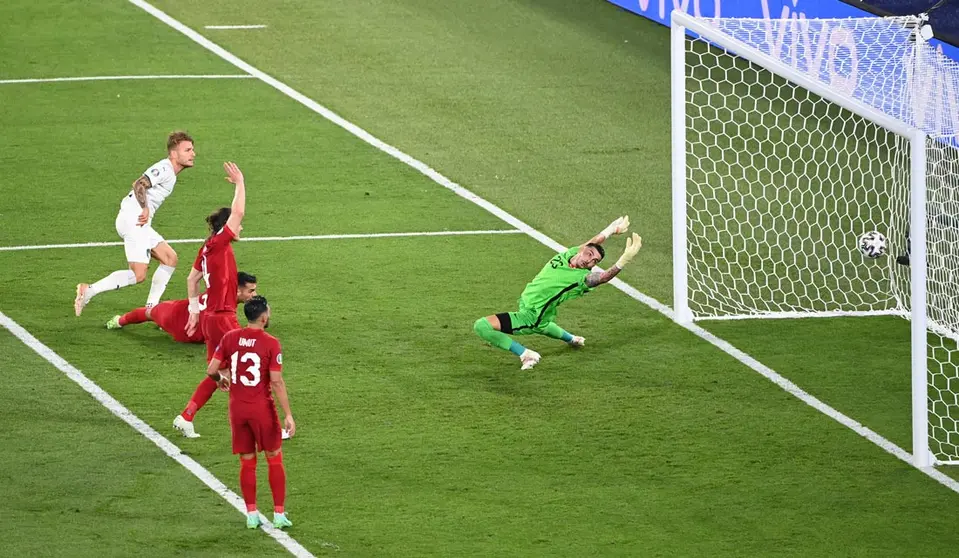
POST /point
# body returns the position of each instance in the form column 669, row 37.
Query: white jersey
column 162, row 180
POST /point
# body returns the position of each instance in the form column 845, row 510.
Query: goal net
column 791, row 138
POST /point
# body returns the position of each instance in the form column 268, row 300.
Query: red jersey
column 250, row 355
column 218, row 264
column 172, row 316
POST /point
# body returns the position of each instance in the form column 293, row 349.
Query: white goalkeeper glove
column 633, row 244
column 619, row 226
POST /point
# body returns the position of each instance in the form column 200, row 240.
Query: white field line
column 143, row 428
column 270, row 239
column 117, row 78
column 234, row 26
column 793, row 315
column 542, row 238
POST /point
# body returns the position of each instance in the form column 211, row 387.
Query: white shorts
column 137, row 241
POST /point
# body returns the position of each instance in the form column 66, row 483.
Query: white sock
column 116, row 280
column 160, row 279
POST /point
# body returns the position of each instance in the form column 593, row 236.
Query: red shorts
column 255, row 429
column 172, row 316
column 215, row 326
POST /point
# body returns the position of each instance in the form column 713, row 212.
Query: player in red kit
column 215, row 264
column 172, row 315
column 252, row 364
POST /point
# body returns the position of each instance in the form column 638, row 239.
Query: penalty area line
column 234, row 26
column 270, row 239
column 168, row 447
column 120, row 78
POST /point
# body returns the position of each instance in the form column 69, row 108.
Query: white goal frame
column 680, row 24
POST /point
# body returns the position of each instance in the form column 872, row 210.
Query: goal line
column 804, row 314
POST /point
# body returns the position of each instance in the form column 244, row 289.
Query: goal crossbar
column 753, row 54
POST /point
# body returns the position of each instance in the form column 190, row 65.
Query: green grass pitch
column 415, row 439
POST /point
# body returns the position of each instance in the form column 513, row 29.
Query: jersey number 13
column 251, row 376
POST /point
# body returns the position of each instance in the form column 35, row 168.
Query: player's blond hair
column 176, row 138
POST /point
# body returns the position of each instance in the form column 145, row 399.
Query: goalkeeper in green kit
column 565, row 277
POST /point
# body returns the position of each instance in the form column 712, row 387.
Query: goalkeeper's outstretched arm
column 597, row 278
column 619, row 226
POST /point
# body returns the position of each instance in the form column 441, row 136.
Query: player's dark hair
column 175, row 138
column 244, row 279
column 217, row 220
column 254, row 308
column 600, row 249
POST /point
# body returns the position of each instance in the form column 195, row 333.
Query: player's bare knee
column 140, row 272
column 247, row 456
column 492, row 321
column 272, row 454
column 166, row 255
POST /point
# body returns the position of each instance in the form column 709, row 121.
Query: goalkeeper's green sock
column 496, row 338
column 556, row 332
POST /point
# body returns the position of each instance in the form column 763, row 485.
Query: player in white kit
column 135, row 226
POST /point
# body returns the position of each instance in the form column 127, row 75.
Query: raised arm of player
column 238, row 208
column 193, row 295
column 619, row 226
column 597, row 278
column 140, row 187
column 279, row 390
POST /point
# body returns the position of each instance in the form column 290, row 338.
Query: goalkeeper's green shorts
column 525, row 321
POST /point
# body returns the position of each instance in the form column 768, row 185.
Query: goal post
column 677, row 34
column 918, row 349
column 790, row 138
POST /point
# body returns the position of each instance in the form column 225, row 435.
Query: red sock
column 203, row 393
column 137, row 316
column 277, row 481
column 248, row 482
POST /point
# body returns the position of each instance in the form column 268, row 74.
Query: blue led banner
column 659, row 10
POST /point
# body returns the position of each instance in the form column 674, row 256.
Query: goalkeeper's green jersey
column 556, row 283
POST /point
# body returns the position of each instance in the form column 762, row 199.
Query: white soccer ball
column 872, row 244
